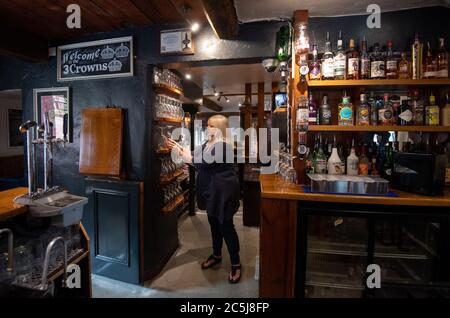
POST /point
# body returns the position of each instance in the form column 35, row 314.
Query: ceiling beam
column 208, row 103
column 22, row 45
column 222, row 17
column 190, row 10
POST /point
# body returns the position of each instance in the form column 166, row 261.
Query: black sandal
column 215, row 259
column 234, row 269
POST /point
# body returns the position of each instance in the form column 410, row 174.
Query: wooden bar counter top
column 8, row 208
column 274, row 187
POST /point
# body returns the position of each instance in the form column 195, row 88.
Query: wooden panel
column 190, row 10
column 261, row 113
column 124, row 10
column 8, row 208
column 222, row 17
column 101, row 141
column 278, row 235
column 210, row 104
column 274, row 187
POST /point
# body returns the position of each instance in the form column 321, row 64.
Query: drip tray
column 373, row 185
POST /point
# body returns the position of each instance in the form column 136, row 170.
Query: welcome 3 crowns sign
column 96, row 59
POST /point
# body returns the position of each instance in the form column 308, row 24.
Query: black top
column 217, row 183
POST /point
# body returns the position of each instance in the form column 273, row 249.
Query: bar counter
column 8, row 208
column 286, row 211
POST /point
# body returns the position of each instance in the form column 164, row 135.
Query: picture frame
column 57, row 101
column 109, row 58
column 14, row 120
column 179, row 41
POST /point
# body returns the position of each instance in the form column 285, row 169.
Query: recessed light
column 195, row 27
column 188, row 76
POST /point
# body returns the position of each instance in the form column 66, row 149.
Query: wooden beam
column 261, row 105
column 22, row 45
column 222, row 17
column 190, row 10
column 208, row 103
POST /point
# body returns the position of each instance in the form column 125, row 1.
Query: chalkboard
column 96, row 59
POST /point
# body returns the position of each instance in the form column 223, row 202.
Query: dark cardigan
column 217, row 186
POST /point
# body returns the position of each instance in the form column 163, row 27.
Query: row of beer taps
column 44, row 134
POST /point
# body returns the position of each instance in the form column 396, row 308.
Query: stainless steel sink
column 326, row 183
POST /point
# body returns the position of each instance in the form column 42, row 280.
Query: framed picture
column 177, row 42
column 15, row 138
column 96, row 59
column 57, row 103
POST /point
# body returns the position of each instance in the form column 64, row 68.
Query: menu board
column 96, row 59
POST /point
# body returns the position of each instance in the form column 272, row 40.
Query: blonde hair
column 220, row 122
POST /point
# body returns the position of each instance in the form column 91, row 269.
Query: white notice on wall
column 171, row 42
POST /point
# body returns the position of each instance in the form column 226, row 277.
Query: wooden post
column 247, row 109
column 298, row 90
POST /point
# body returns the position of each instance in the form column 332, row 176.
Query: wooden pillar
column 247, row 110
column 261, row 105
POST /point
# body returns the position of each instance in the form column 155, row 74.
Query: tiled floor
column 183, row 277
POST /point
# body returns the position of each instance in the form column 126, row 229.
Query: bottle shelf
column 174, row 204
column 165, row 180
column 337, row 128
column 169, row 90
column 380, row 82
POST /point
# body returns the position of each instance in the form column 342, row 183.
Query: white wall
column 8, row 100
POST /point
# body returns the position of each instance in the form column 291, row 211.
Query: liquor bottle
column 328, row 61
column 302, row 116
column 445, row 112
column 283, row 44
column 334, row 163
column 315, row 73
column 342, row 154
column 363, row 165
column 391, row 63
column 352, row 61
column 325, row 112
column 320, row 161
column 340, row 60
column 312, row 113
column 395, row 103
column 432, row 112
column 352, row 163
column 430, row 64
column 363, row 118
column 385, row 113
column 404, row 68
column 364, row 61
column 442, row 58
column 389, row 162
column 309, row 161
column 373, row 110
column 405, row 117
column 417, row 109
column 373, row 166
column 377, row 64
column 345, row 112
column 416, row 58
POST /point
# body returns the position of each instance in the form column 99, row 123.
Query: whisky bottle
column 352, row 61
column 363, row 118
column 312, row 107
column 363, row 164
column 432, row 112
column 430, row 64
column 328, row 61
column 340, row 60
column 442, row 60
column 417, row 109
column 377, row 64
column 404, row 68
column 315, row 73
column 391, row 63
column 445, row 112
column 416, row 57
column 364, row 61
column 385, row 113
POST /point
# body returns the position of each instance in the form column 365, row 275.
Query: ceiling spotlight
column 240, row 104
column 216, row 94
column 227, row 99
column 188, row 76
column 195, row 27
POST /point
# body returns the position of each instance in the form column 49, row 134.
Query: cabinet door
column 336, row 256
column 112, row 222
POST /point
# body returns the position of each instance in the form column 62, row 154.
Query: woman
column 217, row 192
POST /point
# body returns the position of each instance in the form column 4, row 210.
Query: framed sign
column 177, row 42
column 15, row 138
column 98, row 59
column 56, row 102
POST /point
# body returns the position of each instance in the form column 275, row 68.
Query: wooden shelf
column 170, row 179
column 337, row 128
column 174, row 204
column 381, row 82
column 168, row 120
column 166, row 89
